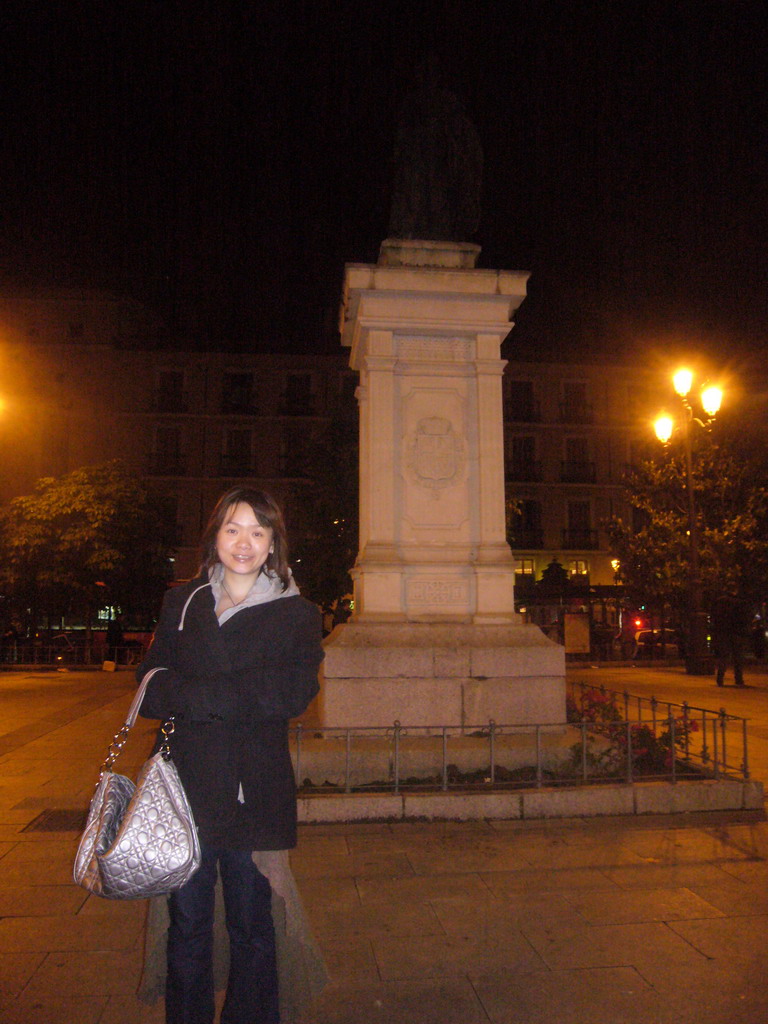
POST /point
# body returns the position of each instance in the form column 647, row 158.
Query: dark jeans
column 252, row 996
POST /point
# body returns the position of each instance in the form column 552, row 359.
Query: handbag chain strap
column 118, row 740
column 167, row 729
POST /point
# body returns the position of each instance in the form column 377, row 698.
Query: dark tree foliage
column 80, row 542
column 730, row 473
column 326, row 521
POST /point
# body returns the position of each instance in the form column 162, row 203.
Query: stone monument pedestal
column 441, row 674
column 434, row 638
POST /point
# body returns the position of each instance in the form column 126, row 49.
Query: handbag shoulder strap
column 133, row 710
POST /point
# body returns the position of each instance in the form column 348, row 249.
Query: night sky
column 222, row 161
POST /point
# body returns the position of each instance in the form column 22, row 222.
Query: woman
column 240, row 649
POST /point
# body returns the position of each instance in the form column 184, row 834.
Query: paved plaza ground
column 590, row 921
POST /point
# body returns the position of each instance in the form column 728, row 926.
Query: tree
column 326, row 522
column 731, row 501
column 82, row 541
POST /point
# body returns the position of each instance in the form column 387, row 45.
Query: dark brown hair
column 268, row 513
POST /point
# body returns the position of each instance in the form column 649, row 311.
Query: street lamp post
column 698, row 660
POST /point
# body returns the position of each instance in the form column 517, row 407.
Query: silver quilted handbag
column 140, row 839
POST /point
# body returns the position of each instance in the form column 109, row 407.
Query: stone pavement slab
column 565, row 946
column 471, row 951
column 690, row 994
column 614, row 995
column 16, row 969
column 55, row 1009
column 498, row 917
column 40, row 900
column 369, row 921
column 94, row 973
column 642, row 906
column 544, row 879
column 735, row 898
column 428, row 1001
column 733, row 937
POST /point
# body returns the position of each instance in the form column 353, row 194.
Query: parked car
column 656, row 643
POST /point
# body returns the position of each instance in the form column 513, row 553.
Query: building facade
column 189, row 424
column 571, row 431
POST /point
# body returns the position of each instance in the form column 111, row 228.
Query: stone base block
column 582, row 802
column 578, row 802
column 350, row 807
column 706, row 795
column 462, row 806
column 438, row 674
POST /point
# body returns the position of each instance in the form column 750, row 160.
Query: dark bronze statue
column 438, row 166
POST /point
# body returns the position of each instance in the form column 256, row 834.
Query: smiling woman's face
column 242, row 543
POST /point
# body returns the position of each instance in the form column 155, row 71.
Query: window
column 169, row 391
column 166, row 457
column 237, row 454
column 167, row 506
column 578, row 567
column 348, row 387
column 168, row 440
column 519, row 402
column 579, row 533
column 576, row 449
column 237, row 393
column 525, row 527
column 577, row 467
column 521, row 458
column 525, row 578
column 297, row 398
column 575, row 407
column 293, row 450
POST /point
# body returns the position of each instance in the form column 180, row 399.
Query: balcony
column 527, row 539
column 296, row 405
column 238, row 405
column 577, row 472
column 521, row 412
column 166, row 464
column 237, row 466
column 580, row 540
column 169, row 401
column 576, row 412
column 293, row 465
column 523, row 471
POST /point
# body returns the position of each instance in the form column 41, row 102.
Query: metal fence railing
column 62, row 651
column 663, row 741
column 714, row 740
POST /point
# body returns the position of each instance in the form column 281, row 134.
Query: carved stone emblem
column 436, row 454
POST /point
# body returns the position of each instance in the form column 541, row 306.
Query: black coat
column 232, row 689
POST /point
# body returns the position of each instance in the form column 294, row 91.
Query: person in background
column 240, row 651
column 729, row 627
column 757, row 637
column 114, row 639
